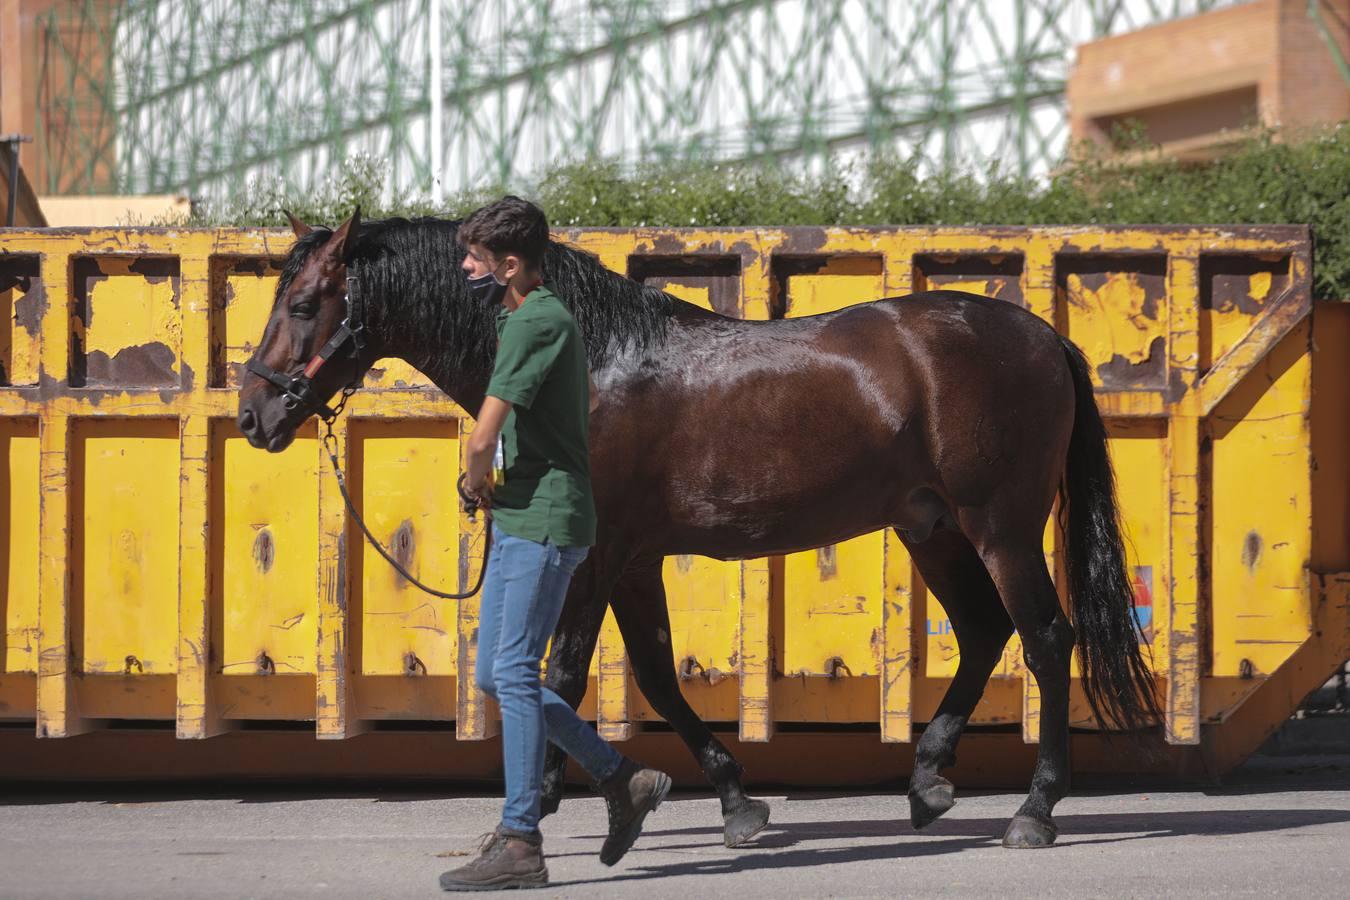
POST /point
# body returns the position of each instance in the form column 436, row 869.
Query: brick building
column 1199, row 84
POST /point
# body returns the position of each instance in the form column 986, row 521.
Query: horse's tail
column 1116, row 678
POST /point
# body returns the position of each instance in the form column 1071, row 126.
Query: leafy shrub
column 1265, row 180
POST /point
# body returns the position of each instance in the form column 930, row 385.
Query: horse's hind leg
column 954, row 573
column 1017, row 566
column 569, row 660
column 639, row 604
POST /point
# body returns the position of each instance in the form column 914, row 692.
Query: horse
column 953, row 418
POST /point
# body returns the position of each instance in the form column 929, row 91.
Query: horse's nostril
column 247, row 421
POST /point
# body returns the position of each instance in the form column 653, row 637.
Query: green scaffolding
column 206, row 95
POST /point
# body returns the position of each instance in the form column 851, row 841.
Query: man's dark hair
column 508, row 226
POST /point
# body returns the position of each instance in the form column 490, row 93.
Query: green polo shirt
column 541, row 371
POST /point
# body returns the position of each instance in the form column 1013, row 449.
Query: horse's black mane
column 410, row 275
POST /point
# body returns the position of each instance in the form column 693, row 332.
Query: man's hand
column 482, row 494
column 481, row 445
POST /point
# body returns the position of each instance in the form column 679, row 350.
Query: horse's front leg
column 569, row 659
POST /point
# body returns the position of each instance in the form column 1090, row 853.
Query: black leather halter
column 298, row 390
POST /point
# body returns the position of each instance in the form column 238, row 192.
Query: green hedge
column 1265, row 181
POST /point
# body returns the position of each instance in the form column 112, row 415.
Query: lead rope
column 470, row 506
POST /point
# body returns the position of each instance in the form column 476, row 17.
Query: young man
column 538, row 403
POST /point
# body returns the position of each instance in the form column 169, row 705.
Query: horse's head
column 309, row 349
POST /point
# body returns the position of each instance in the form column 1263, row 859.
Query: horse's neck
column 468, row 389
column 465, row 388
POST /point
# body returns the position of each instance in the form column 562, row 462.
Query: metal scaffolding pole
column 437, row 147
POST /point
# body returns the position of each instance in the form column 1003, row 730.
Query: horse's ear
column 300, row 228
column 343, row 243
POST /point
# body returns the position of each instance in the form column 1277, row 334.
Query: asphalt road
column 1282, row 826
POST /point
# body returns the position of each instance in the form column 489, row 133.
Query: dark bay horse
column 953, row 418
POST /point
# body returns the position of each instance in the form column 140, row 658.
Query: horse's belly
column 759, row 520
column 768, row 539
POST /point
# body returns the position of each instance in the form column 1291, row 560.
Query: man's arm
column 482, row 443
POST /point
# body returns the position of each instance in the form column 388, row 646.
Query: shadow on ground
column 955, row 836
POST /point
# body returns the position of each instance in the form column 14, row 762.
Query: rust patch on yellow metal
column 264, row 551
column 145, row 365
column 825, row 562
column 401, row 546
column 23, row 304
column 1251, row 550
column 32, row 305
column 1123, row 373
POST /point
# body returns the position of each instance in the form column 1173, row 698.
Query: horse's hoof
column 1026, row 833
column 927, row 805
column 549, row 803
column 744, row 822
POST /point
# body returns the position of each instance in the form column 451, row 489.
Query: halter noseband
column 298, row 390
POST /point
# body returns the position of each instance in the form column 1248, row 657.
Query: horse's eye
column 304, row 310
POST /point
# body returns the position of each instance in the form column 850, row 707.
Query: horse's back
column 945, row 319
column 996, row 389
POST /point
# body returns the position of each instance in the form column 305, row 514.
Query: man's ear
column 342, row 244
column 300, row 228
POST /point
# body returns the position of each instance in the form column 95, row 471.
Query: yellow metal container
column 154, row 566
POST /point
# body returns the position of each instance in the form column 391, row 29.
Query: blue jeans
column 523, row 593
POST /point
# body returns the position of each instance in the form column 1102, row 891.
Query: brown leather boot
column 630, row 794
column 507, row 859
